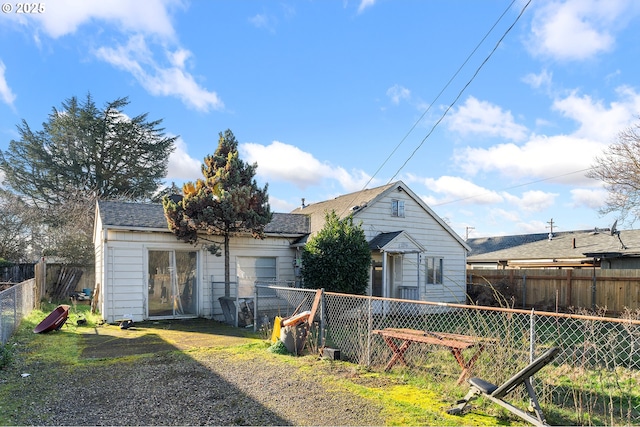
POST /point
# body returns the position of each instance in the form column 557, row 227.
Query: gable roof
column 150, row 217
column 345, row 204
column 563, row 246
column 355, row 203
column 395, row 242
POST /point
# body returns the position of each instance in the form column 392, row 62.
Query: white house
column 144, row 272
column 415, row 253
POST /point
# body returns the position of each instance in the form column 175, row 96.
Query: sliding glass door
column 173, row 283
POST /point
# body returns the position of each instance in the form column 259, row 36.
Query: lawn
column 404, row 398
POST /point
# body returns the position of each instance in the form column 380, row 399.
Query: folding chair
column 497, row 394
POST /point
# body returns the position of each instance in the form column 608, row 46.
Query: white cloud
column 596, row 120
column 538, row 81
column 6, row 93
column 150, row 16
column 398, row 93
column 453, row 188
column 532, row 201
column 558, row 158
column 183, row 167
column 263, row 21
column 174, row 80
column 365, row 4
column 577, row 29
column 502, row 215
column 589, row 198
column 484, row 118
column 534, row 226
column 279, row 205
column 284, row 162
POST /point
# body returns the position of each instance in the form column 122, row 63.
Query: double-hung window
column 397, row 208
column 433, row 275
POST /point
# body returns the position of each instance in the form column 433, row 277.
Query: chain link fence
column 15, row 303
column 595, row 377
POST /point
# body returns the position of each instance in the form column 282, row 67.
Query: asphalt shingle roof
column 565, row 245
column 382, row 239
column 345, row 204
column 116, row 214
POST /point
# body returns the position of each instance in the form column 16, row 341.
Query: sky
column 491, row 111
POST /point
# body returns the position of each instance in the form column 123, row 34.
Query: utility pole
column 550, row 227
column 467, row 232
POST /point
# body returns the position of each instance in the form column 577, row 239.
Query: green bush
column 338, row 258
column 6, row 355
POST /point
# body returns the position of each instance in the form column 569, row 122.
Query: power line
column 442, row 91
column 512, row 187
column 463, row 89
column 439, row 94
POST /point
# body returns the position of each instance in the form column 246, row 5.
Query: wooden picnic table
column 399, row 340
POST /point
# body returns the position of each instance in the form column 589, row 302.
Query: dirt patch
column 108, row 341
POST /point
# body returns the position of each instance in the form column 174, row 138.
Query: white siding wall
column 437, row 241
column 124, row 283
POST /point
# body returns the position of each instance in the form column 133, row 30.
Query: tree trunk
column 227, row 281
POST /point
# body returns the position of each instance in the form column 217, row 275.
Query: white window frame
column 433, row 267
column 397, row 208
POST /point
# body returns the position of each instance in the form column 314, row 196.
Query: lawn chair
column 497, row 394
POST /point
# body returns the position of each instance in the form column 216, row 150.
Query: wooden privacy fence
column 558, row 290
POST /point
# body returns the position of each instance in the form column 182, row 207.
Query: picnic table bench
column 399, row 340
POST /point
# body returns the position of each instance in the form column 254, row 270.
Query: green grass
column 407, row 398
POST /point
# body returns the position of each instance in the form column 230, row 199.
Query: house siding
column 125, row 263
column 425, row 230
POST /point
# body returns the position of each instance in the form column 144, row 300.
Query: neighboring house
column 144, row 272
column 415, row 253
column 599, row 248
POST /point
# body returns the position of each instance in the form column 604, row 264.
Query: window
column 397, row 208
column 397, row 269
column 261, row 269
column 433, row 274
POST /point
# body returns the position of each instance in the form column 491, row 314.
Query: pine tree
column 226, row 202
column 82, row 153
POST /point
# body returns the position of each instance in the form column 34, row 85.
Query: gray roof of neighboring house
column 116, row 214
column 564, row 245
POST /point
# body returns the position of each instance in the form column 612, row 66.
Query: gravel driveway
column 215, row 385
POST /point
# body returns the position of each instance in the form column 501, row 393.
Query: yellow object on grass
column 276, row 329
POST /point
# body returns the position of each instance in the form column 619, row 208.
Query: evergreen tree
column 103, row 152
column 226, row 202
column 82, row 153
column 337, row 258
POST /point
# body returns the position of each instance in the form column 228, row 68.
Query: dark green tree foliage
column 82, row 153
column 15, row 224
column 226, row 202
column 338, row 258
column 83, row 147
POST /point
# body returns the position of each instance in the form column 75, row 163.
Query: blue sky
column 491, row 111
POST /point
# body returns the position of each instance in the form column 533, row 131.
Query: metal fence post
column 255, row 308
column 369, row 329
column 532, row 335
